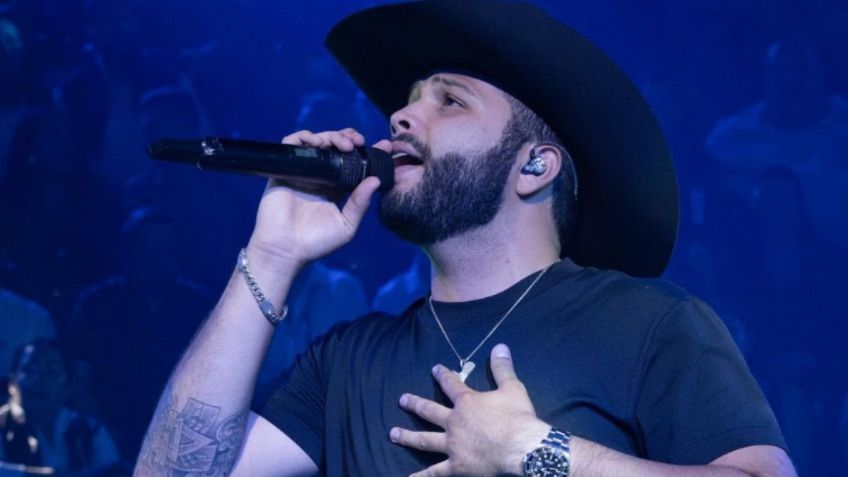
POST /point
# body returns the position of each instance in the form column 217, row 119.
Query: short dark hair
column 533, row 128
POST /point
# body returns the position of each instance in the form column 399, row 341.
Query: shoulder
column 603, row 300
column 610, row 287
column 371, row 330
column 98, row 301
column 372, row 323
column 665, row 315
column 731, row 132
column 106, row 287
column 346, row 343
column 23, row 310
column 748, row 118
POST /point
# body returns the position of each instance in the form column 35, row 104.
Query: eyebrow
column 451, row 82
column 416, row 87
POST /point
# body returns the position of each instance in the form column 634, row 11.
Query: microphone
column 299, row 165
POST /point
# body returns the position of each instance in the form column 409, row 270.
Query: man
column 644, row 376
column 119, row 381
column 40, row 430
column 796, row 125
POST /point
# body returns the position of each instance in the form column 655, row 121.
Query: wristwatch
column 552, row 458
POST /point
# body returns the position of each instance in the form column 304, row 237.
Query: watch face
column 546, row 462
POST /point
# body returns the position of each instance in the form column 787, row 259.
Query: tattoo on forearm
column 193, row 441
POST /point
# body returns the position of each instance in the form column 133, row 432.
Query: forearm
column 594, row 460
column 199, row 423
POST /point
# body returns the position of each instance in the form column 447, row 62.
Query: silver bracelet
column 264, row 305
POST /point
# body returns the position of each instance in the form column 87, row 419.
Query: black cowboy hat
column 627, row 187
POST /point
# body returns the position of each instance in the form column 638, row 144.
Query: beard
column 457, row 192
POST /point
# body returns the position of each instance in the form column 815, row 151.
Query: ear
column 528, row 184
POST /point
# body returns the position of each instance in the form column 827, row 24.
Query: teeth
column 405, row 158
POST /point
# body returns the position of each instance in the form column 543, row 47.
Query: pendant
column 467, row 367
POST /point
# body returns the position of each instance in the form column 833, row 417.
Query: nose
column 402, row 120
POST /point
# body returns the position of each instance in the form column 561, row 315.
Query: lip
column 405, row 148
column 407, row 171
column 405, row 160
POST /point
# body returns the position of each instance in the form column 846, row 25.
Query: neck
column 486, row 261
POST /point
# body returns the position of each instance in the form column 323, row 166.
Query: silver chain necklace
column 465, row 364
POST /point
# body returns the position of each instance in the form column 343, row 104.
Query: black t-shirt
column 635, row 365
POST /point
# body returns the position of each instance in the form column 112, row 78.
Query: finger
column 425, row 408
column 384, row 145
column 294, row 138
column 426, row 441
column 438, row 470
column 297, row 138
column 358, row 202
column 450, row 383
column 340, row 141
column 308, row 138
column 354, row 135
column 501, row 362
column 323, row 139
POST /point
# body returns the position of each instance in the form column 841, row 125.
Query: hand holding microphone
column 296, row 223
column 303, row 165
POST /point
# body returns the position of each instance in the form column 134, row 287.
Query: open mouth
column 404, row 159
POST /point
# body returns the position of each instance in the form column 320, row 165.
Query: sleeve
column 698, row 400
column 297, row 407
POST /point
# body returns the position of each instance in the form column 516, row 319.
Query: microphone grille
column 380, row 164
column 352, row 170
column 363, row 162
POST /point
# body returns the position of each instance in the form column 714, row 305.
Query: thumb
column 502, row 368
column 357, row 203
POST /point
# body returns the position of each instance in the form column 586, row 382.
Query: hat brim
column 628, row 191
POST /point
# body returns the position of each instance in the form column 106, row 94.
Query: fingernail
column 404, row 399
column 394, row 434
column 501, row 351
column 435, row 370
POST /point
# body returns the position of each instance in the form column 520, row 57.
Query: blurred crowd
column 109, row 261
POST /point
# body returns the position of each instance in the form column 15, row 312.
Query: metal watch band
column 264, row 305
column 551, row 458
column 558, row 438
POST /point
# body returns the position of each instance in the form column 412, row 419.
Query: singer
column 535, row 177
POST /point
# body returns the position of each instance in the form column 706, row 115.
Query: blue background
column 762, row 235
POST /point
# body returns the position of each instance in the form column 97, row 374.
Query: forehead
column 469, row 84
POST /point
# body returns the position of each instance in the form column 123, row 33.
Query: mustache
column 422, row 149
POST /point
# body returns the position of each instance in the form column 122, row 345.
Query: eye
column 450, row 100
